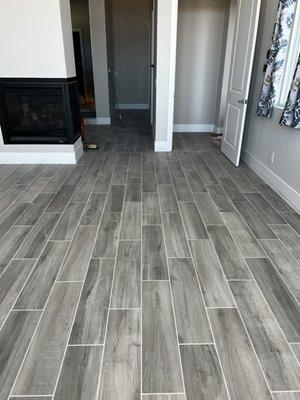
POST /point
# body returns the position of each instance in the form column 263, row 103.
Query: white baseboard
column 97, row 121
column 162, row 147
column 290, row 195
column 129, row 106
column 42, row 153
column 196, row 128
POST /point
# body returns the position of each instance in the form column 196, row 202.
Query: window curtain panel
column 276, row 57
column 291, row 114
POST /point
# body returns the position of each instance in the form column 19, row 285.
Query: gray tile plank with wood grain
column 280, row 366
column 270, row 215
column 241, row 369
column 61, row 199
column 80, row 374
column 211, row 276
column 15, row 337
column 176, row 242
column 255, row 221
column 154, row 262
column 35, row 209
column 38, row 237
column 192, row 221
column 202, row 373
column 10, row 216
column 93, row 210
column 208, row 209
column 11, row 243
column 126, row 292
column 121, row 369
column 114, row 202
column 289, row 238
column 220, row 198
column 77, row 259
column 281, row 301
column 131, row 222
column 285, row 263
column 167, row 198
column 190, row 313
column 150, row 209
column 159, row 347
column 11, row 283
column 39, row 284
column 107, row 237
column 242, row 235
column 68, row 222
column 231, row 259
column 40, row 369
column 91, row 317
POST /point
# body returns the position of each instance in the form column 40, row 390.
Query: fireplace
column 39, row 111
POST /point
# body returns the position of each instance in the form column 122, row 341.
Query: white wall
column 263, row 135
column 130, row 26
column 99, row 53
column 33, row 41
column 200, row 54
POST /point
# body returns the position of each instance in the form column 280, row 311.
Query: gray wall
column 130, row 26
column 200, row 54
column 81, row 21
column 262, row 135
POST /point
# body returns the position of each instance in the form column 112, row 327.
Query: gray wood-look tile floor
column 135, row 275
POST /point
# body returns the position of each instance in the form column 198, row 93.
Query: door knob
column 243, row 101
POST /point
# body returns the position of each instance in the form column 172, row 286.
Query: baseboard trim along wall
column 290, row 195
column 97, row 121
column 42, row 154
column 129, row 106
column 196, row 128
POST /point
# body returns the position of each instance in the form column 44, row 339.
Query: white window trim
column 291, row 61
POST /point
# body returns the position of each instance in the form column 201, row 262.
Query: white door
column 153, row 62
column 242, row 55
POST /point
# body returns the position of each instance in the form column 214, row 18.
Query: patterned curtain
column 291, row 114
column 276, row 57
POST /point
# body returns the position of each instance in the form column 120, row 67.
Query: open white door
column 242, row 55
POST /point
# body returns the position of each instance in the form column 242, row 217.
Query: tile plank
column 231, row 259
column 255, row 221
column 37, row 289
column 126, row 292
column 94, row 209
column 131, row 222
column 264, row 208
column 68, row 222
column 167, row 199
column 77, row 259
column 40, row 369
column 61, row 199
column 15, row 337
column 289, row 238
column 285, row 263
column 154, row 260
column 281, row 369
column 202, row 373
column 176, row 243
column 190, row 314
column 280, row 299
column 208, row 209
column 150, row 209
column 11, row 283
column 211, row 276
column 90, row 321
column 80, row 374
column 114, row 202
column 120, row 378
column 192, row 221
column 160, row 348
column 38, row 237
column 107, row 237
column 241, row 369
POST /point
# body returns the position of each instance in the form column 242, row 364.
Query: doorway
column 215, row 50
column 130, row 56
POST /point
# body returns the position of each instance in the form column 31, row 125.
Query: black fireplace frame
column 71, row 111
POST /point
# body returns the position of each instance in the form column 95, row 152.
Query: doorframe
column 167, row 16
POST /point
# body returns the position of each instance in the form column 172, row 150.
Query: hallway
column 134, row 274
